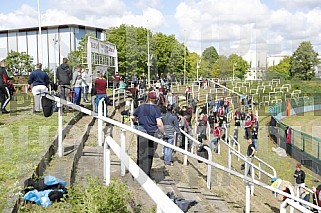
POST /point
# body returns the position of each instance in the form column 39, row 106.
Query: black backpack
column 47, row 106
column 202, row 152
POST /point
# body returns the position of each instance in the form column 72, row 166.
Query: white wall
column 3, row 46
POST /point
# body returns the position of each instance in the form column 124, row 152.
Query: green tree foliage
column 131, row 42
column 281, row 70
column 221, row 67
column 240, row 66
column 209, row 57
column 79, row 56
column 304, row 59
column 19, row 63
column 191, row 61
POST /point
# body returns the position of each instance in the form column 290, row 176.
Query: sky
column 273, row 27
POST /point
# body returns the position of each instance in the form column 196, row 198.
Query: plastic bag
column 279, row 151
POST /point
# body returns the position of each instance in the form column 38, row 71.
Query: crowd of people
column 157, row 113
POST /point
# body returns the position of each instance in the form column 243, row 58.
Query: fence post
column 123, row 148
column 247, row 197
column 229, row 158
column 186, row 146
column 60, row 145
column 114, row 98
column 100, row 123
column 106, row 164
column 209, row 169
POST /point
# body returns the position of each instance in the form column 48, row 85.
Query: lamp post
column 39, row 23
column 149, row 64
column 55, row 41
column 197, row 67
column 234, row 64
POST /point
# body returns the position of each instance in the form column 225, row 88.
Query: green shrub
column 95, row 197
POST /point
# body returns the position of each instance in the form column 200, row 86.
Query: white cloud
column 242, row 26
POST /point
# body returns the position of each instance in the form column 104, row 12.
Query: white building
column 259, row 63
column 57, row 42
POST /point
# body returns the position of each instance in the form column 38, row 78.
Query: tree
column 19, row 63
column 79, row 56
column 191, row 61
column 221, row 67
column 209, row 57
column 240, row 66
column 304, row 59
column 281, row 70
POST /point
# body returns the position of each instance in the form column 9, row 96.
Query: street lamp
column 55, row 41
column 198, row 65
column 149, row 58
column 39, row 23
column 234, row 64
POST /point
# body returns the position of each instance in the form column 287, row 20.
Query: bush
column 95, row 197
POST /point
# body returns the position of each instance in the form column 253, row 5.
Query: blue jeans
column 168, row 151
column 98, row 98
column 215, row 142
column 255, row 143
column 85, row 91
column 77, row 95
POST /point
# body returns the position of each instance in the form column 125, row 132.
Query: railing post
column 229, row 156
column 60, row 145
column 114, row 98
column 123, row 148
column 260, row 171
column 209, row 169
column 247, row 197
column 106, row 164
column 186, row 146
column 118, row 97
column 253, row 176
column 100, row 123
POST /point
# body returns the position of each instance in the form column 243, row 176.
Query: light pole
column 148, row 61
column 234, row 64
column 39, row 23
column 55, row 41
column 184, row 64
column 198, row 63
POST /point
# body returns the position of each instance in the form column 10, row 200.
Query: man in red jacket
column 101, row 85
column 217, row 134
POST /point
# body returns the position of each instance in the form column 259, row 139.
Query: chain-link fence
column 302, row 146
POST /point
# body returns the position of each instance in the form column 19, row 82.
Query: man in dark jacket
column 39, row 81
column 64, row 76
column 299, row 176
column 4, row 90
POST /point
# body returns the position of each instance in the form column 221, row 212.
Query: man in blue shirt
column 150, row 121
column 38, row 81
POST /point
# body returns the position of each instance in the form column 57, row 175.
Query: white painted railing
column 235, row 142
column 209, row 151
column 140, row 176
column 118, row 93
column 163, row 202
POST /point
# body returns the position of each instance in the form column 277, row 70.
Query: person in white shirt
column 86, row 80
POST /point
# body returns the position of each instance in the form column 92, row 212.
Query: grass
column 24, row 138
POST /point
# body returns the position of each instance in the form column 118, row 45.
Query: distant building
column 259, row 64
column 57, row 42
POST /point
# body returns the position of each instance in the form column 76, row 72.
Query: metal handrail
column 266, row 164
column 61, row 102
column 235, row 142
column 209, row 151
column 164, row 203
column 254, row 166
